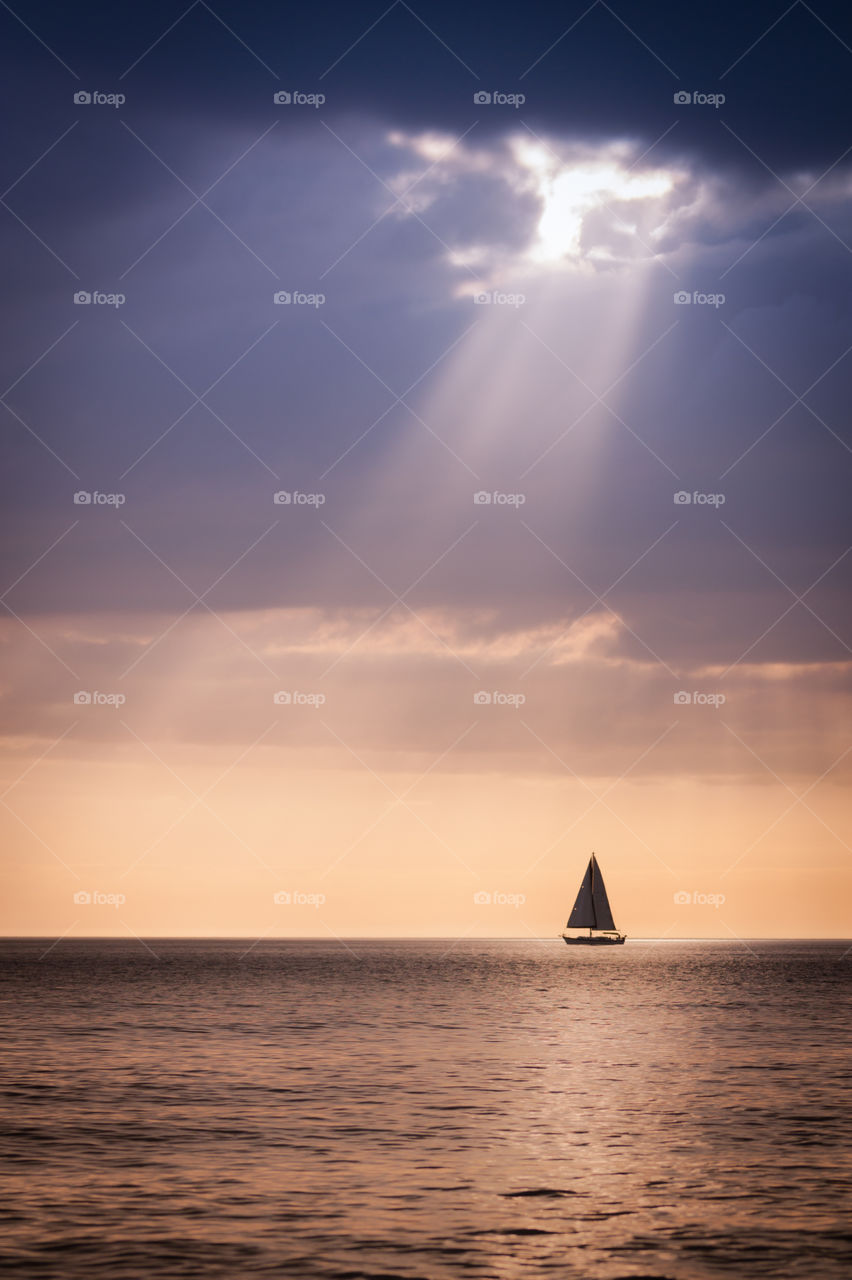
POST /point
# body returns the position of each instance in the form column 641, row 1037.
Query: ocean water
column 492, row 1109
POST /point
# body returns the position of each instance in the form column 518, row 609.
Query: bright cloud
column 575, row 197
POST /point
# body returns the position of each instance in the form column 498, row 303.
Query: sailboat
column 592, row 911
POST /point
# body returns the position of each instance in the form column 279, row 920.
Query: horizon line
column 389, row 937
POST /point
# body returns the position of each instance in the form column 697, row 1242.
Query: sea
column 491, row 1109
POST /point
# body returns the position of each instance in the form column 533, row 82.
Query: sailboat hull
column 594, row 942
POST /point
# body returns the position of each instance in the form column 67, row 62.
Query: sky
column 427, row 461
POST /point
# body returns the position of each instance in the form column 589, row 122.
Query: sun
column 589, row 204
column 569, row 192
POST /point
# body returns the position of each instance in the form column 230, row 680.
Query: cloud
column 399, row 690
column 596, row 399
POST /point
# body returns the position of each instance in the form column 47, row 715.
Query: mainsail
column 592, row 909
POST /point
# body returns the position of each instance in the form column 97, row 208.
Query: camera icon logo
column 82, row 298
column 682, row 498
column 281, row 298
column 282, row 98
column 82, row 499
column 282, row 498
column 682, row 698
column 282, row 898
column 682, row 298
column 81, row 97
column 82, row 699
column 82, row 898
column 482, row 498
column 282, row 698
column 482, row 98
column 682, row 98
column 481, row 299
column 482, row 899
column 481, row 699
column 682, row 898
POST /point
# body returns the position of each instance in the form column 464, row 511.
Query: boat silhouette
column 592, row 911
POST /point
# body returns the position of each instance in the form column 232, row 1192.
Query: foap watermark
column 497, row 699
column 82, row 898
column 495, row 98
column 496, row 498
column 683, row 298
column 292, row 698
column 683, row 498
column 484, row 898
column 84, row 98
column 295, row 298
column 684, row 699
column 285, row 498
column 494, row 297
column 97, row 298
column 683, row 898
column 295, row 98
column 93, row 698
column 296, row 898
column 683, row 98
column 85, row 498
